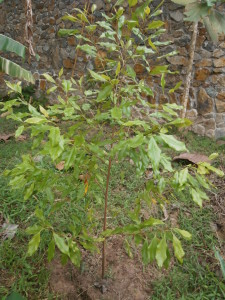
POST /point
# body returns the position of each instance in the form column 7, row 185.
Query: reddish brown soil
column 126, row 278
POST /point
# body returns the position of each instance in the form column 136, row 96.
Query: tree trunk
column 29, row 28
column 189, row 70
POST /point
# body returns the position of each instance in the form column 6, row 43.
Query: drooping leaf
column 173, row 143
column 10, row 45
column 104, row 93
column 34, row 244
column 65, row 32
column 161, row 252
column 132, row 2
column 12, row 69
column 116, row 113
column 178, row 250
column 154, row 152
column 152, row 249
column 128, row 248
column 61, row 244
column 196, row 197
column 145, row 253
column 185, row 234
column 221, row 261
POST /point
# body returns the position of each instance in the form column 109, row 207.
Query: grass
column 196, row 279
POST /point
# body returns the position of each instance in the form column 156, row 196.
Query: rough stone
column 219, row 133
column 220, row 118
column 199, row 129
column 204, row 63
column 177, row 16
column 68, row 63
column 220, row 106
column 205, row 103
column 210, row 133
column 184, row 40
column 192, row 114
column 178, row 60
column 202, row 74
column 218, row 53
column 211, row 92
column 221, row 96
column 210, row 124
column 220, row 62
column 219, row 70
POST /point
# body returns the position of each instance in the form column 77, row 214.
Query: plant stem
column 105, row 219
column 189, row 69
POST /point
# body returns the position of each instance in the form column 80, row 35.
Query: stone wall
column 207, row 95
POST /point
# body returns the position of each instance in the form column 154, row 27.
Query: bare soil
column 126, row 278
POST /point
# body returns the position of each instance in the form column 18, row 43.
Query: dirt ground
column 126, row 278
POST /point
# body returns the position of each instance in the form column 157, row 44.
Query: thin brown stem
column 105, row 218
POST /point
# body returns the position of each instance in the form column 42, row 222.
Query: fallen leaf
column 194, row 158
column 6, row 137
column 60, row 166
column 9, row 231
column 22, row 138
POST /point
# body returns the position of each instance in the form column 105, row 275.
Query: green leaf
column 173, row 143
column 90, row 50
column 132, row 2
column 183, row 175
column 34, row 229
column 104, row 93
column 65, row 32
column 19, row 131
column 213, row 156
column 29, row 191
column 213, row 169
column 51, row 250
column 51, row 90
column 159, row 70
column 34, row 244
column 118, row 68
column 152, row 249
column 161, row 252
column 196, row 197
column 67, row 85
column 183, row 2
column 130, row 72
column 178, row 250
column 9, row 45
column 177, row 86
column 128, row 248
column 221, row 261
column 185, row 234
column 98, row 77
column 61, row 244
column 155, row 24
column 14, row 295
column 12, row 69
column 116, row 113
column 145, row 253
column 36, row 120
column 49, row 78
column 154, row 153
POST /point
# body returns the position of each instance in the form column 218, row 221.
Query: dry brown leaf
column 60, row 166
column 6, row 137
column 194, row 158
